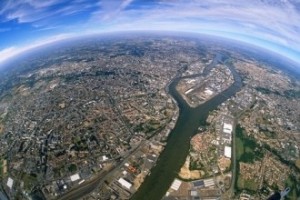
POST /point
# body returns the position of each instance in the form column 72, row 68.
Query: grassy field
column 295, row 192
column 240, row 148
column 246, row 184
column 29, row 181
column 247, row 150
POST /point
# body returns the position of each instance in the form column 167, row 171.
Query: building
column 209, row 182
column 176, row 184
column 124, row 183
column 75, row 177
column 227, row 128
column 227, row 151
column 227, row 131
column 198, row 184
column 10, row 182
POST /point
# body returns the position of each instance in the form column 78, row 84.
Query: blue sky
column 271, row 24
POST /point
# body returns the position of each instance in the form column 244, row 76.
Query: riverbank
column 178, row 144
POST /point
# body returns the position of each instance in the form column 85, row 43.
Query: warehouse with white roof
column 176, row 184
column 227, row 128
column 75, row 177
column 124, row 183
column 227, row 151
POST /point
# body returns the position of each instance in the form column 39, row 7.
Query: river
column 173, row 157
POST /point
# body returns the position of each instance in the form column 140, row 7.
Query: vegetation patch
column 294, row 186
column 297, row 163
column 264, row 90
column 247, row 149
column 30, row 180
column 290, row 94
column 72, row 168
column 247, row 184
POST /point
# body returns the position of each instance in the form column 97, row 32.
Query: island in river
column 116, row 117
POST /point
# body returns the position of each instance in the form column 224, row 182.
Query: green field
column 295, row 189
column 247, row 184
column 247, row 150
column 239, row 148
column 29, row 181
column 290, row 94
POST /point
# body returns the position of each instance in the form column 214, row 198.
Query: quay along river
column 190, row 119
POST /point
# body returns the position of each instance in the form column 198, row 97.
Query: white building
column 10, row 182
column 227, row 133
column 125, row 183
column 104, row 158
column 227, row 128
column 208, row 92
column 227, row 151
column 75, row 177
column 176, row 184
column 209, row 182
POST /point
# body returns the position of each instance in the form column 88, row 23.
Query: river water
column 173, row 157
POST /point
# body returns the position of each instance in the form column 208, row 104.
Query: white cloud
column 266, row 22
column 273, row 21
column 42, row 4
column 7, row 53
column 109, row 9
column 13, row 51
column 31, row 11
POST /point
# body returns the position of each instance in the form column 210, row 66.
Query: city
column 92, row 125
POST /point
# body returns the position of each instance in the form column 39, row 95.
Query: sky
column 270, row 24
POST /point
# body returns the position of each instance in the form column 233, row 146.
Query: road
column 88, row 186
column 172, row 158
column 233, row 159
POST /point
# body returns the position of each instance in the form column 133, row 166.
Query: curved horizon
column 272, row 25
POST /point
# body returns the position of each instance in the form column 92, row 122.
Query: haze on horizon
column 270, row 24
